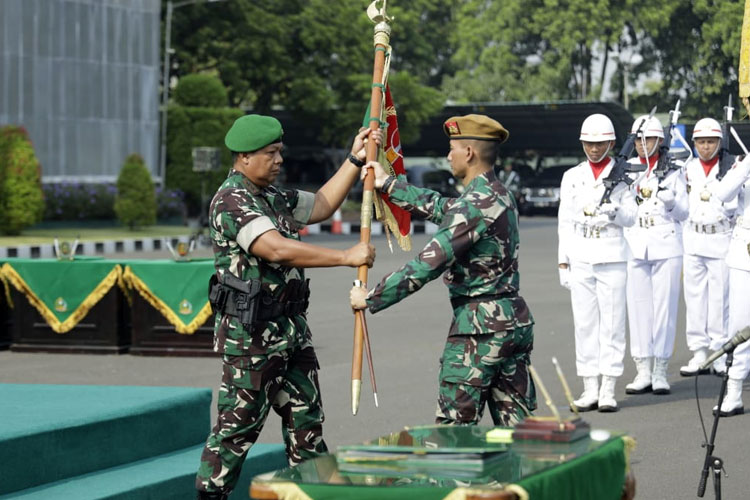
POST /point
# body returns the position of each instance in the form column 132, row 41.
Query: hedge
column 21, row 198
column 135, row 202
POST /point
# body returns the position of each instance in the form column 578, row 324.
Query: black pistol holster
column 250, row 303
column 235, row 297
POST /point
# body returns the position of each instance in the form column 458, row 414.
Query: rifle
column 666, row 162
column 726, row 160
column 622, row 167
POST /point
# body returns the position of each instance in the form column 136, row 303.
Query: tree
column 21, row 198
column 135, row 203
column 699, row 55
column 314, row 57
column 201, row 90
column 548, row 49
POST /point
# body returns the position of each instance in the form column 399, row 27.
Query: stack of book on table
column 438, row 451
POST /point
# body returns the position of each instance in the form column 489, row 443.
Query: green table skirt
column 598, row 475
column 62, row 291
column 178, row 290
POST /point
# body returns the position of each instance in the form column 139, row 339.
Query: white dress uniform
column 655, row 264
column 736, row 184
column 706, row 236
column 593, row 246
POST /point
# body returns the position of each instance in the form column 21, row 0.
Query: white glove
column 564, row 277
column 608, row 209
column 667, row 197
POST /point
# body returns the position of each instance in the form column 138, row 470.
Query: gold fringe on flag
column 744, row 76
column 76, row 316
column 136, row 283
column 383, row 212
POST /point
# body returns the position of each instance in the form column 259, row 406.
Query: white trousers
column 653, row 291
column 707, row 301
column 739, row 318
column 597, row 293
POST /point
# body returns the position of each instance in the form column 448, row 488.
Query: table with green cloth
column 177, row 289
column 64, row 292
column 594, row 467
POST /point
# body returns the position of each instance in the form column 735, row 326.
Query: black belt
column 268, row 308
column 466, row 299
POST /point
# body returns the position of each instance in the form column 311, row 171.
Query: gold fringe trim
column 462, row 493
column 521, row 493
column 90, row 301
column 134, row 282
column 127, row 290
column 744, row 65
column 6, row 287
column 287, row 491
column 630, row 445
column 383, row 212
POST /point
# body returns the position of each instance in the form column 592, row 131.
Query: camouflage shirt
column 476, row 246
column 240, row 212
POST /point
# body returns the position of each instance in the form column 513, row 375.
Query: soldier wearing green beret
column 486, row 356
column 260, row 297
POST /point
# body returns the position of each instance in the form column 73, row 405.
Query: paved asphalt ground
column 407, row 340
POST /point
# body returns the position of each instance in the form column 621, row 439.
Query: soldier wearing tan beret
column 476, row 250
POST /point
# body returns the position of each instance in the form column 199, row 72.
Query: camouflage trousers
column 491, row 369
column 286, row 381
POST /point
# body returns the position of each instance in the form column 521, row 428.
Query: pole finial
column 376, row 12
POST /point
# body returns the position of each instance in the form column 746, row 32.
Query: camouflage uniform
column 486, row 356
column 274, row 366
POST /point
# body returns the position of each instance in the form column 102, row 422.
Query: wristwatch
column 355, row 161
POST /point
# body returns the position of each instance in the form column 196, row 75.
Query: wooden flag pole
column 381, row 41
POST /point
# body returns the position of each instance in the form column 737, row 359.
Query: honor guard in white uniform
column 705, row 237
column 736, row 184
column 655, row 261
column 592, row 259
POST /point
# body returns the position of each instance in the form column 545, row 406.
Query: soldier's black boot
column 208, row 495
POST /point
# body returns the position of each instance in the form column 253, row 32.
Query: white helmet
column 597, row 128
column 651, row 128
column 707, row 127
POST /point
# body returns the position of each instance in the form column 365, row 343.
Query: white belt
column 743, row 222
column 721, row 226
column 587, row 231
column 652, row 220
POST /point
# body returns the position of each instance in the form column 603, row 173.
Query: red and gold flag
column 395, row 158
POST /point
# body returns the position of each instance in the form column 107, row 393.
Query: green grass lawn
column 37, row 236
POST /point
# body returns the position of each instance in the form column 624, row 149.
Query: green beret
column 475, row 127
column 253, row 132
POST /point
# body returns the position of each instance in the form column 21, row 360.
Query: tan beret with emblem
column 479, row 127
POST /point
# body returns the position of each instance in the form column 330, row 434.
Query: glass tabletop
column 439, row 456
